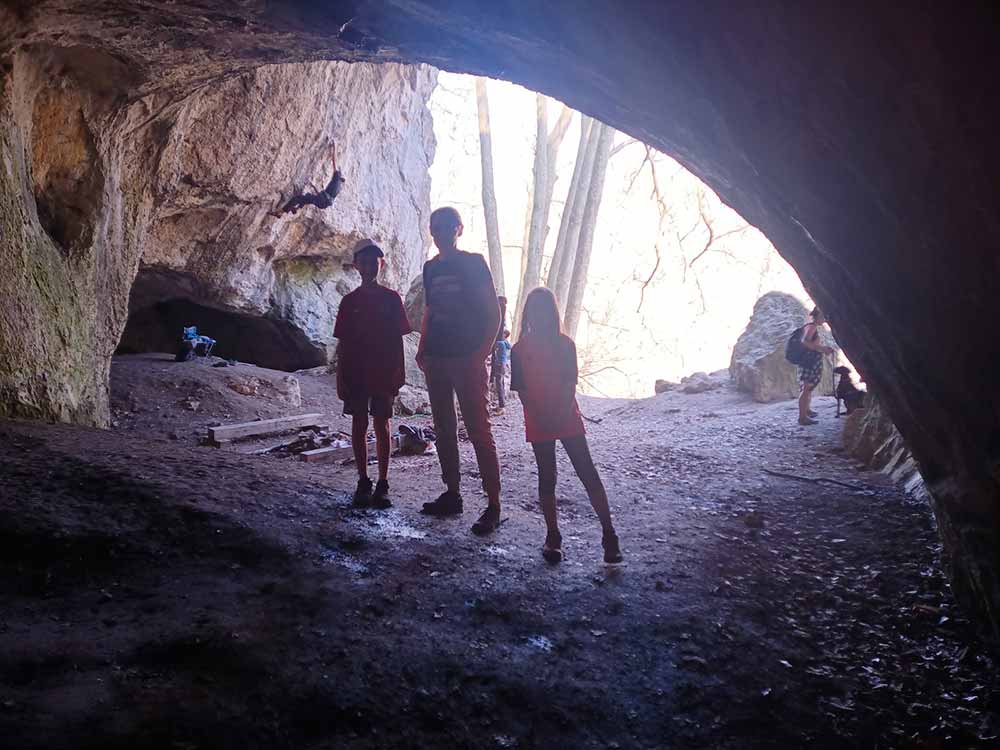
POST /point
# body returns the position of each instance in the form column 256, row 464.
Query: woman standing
column 811, row 368
column 544, row 374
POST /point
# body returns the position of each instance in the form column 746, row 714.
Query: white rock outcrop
column 758, row 365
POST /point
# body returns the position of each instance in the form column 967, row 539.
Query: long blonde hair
column 541, row 314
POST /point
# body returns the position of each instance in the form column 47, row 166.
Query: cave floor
column 154, row 593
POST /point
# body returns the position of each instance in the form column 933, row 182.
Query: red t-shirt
column 542, row 372
column 371, row 323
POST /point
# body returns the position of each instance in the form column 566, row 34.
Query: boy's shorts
column 377, row 406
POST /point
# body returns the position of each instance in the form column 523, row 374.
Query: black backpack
column 795, row 352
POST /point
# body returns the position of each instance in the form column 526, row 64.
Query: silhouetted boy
column 371, row 323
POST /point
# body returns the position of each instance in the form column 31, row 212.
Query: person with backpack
column 805, row 350
column 458, row 332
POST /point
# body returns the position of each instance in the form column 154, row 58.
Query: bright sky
column 692, row 313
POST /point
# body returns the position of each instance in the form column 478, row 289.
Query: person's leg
column 381, row 424
column 359, row 442
column 358, row 409
column 472, row 390
column 583, row 464
column 501, row 385
column 441, row 393
column 545, row 458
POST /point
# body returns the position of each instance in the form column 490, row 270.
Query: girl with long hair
column 544, row 373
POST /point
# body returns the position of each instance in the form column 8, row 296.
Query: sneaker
column 447, row 504
column 487, row 522
column 380, row 497
column 612, row 550
column 552, row 549
column 363, row 494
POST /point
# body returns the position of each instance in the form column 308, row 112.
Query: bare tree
column 489, row 191
column 578, row 284
column 561, row 265
column 543, row 183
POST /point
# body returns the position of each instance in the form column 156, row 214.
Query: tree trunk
column 552, row 162
column 489, row 191
column 533, row 253
column 574, row 222
column 578, row 284
column 557, row 268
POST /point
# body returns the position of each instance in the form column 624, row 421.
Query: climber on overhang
column 323, row 199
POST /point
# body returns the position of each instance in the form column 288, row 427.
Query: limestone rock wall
column 870, row 435
column 95, row 189
column 234, row 152
column 69, row 236
column 758, row 365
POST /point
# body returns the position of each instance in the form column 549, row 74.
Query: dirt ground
column 156, row 593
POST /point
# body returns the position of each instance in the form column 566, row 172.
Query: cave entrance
column 657, row 278
column 161, row 304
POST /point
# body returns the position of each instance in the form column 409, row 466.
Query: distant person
column 371, row 323
column 544, row 373
column 459, row 329
column 323, row 199
column 811, row 365
column 498, row 369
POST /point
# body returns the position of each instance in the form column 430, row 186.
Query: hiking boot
column 363, row 494
column 447, row 504
column 488, row 521
column 380, row 497
column 612, row 550
column 552, row 549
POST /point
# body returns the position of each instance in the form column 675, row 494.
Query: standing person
column 459, row 328
column 371, row 323
column 498, row 368
column 811, row 368
column 543, row 372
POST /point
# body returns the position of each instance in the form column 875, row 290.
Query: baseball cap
column 368, row 246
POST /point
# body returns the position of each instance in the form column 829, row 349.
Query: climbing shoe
column 552, row 549
column 612, row 550
column 487, row 522
column 447, row 504
column 363, row 494
column 380, row 497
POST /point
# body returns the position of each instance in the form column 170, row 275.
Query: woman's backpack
column 795, row 352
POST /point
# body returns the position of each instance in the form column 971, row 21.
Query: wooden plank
column 225, row 433
column 336, row 454
column 327, row 454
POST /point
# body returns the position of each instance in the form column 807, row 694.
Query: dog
column 852, row 396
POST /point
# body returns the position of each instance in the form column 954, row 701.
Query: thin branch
column 662, row 205
column 623, row 145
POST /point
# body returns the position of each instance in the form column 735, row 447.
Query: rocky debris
column 700, row 382
column 284, row 389
column 411, row 400
column 870, row 436
column 662, row 386
column 758, row 365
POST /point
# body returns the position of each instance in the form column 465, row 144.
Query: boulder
column 700, row 382
column 662, row 386
column 284, row 389
column 410, row 401
column 758, row 365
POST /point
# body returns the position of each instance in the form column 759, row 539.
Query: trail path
column 154, row 593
